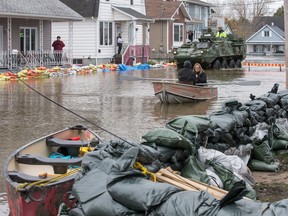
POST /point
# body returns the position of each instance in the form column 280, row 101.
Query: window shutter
column 270, row 33
column 262, row 33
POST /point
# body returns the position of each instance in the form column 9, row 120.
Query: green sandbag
column 194, row 170
column 169, row 138
column 261, row 151
column 278, row 132
column 229, row 178
column 191, row 123
column 257, row 165
column 280, row 144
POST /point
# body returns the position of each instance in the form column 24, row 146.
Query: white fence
column 31, row 59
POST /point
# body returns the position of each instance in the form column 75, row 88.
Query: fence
column 255, row 64
column 31, row 59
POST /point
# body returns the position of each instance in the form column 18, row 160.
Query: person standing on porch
column 58, row 48
column 119, row 43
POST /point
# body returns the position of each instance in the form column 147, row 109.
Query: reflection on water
column 126, row 108
column 170, row 111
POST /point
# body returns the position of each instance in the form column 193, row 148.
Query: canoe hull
column 21, row 203
column 28, row 193
column 172, row 92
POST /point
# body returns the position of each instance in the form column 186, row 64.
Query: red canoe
column 37, row 183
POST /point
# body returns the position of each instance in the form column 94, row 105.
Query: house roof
column 52, row 9
column 275, row 29
column 198, row 2
column 86, row 8
column 159, row 9
column 132, row 13
column 268, row 20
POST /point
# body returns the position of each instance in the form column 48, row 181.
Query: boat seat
column 60, row 165
column 20, row 177
column 56, row 142
column 41, row 160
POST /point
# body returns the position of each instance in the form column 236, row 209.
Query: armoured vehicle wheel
column 238, row 64
column 232, row 64
column 217, row 65
column 224, row 64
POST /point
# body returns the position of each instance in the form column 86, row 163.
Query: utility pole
column 286, row 39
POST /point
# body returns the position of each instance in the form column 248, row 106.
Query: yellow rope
column 144, row 170
column 45, row 182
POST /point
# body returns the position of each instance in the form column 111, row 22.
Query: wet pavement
column 128, row 109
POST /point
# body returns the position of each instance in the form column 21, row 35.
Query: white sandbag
column 214, row 179
column 231, row 162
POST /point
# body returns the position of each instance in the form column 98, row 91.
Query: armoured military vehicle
column 212, row 52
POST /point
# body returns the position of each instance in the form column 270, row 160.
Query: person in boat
column 200, row 74
column 186, row 75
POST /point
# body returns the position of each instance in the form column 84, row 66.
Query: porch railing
column 32, row 59
column 136, row 53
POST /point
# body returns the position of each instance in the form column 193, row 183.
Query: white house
column 94, row 39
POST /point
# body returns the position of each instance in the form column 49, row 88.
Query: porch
column 32, row 59
column 136, row 54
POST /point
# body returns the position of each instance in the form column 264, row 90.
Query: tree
column 280, row 11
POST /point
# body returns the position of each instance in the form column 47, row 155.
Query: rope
column 144, row 170
column 45, row 182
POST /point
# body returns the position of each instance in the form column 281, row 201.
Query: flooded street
column 128, row 109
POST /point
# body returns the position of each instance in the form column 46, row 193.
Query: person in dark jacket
column 200, row 74
column 186, row 75
column 58, row 47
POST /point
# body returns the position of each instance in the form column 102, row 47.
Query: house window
column 106, row 33
column 131, row 2
column 28, row 39
column 197, row 11
column 178, row 32
column 266, row 34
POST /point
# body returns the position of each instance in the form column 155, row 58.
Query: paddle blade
column 249, row 83
column 242, row 83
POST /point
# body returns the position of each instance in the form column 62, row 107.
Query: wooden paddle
column 241, row 83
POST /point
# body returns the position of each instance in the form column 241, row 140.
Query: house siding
column 3, row 22
column 47, row 35
column 86, row 41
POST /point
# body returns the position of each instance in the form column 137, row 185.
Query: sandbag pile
column 109, row 185
column 217, row 149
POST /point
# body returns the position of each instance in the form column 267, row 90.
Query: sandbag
column 194, row 170
column 95, row 200
column 257, row 165
column 140, row 194
column 256, row 105
column 240, row 117
column 223, row 120
column 261, row 151
column 230, row 105
column 188, row 203
column 192, row 123
column 169, row 138
column 229, row 178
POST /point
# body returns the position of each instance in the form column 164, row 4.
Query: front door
column 1, row 46
column 118, row 30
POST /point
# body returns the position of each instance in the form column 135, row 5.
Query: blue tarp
column 123, row 67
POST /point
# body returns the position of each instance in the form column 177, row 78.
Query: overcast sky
column 272, row 7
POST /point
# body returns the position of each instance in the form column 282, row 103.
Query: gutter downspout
column 96, row 41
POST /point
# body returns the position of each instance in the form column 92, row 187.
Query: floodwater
column 125, row 108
